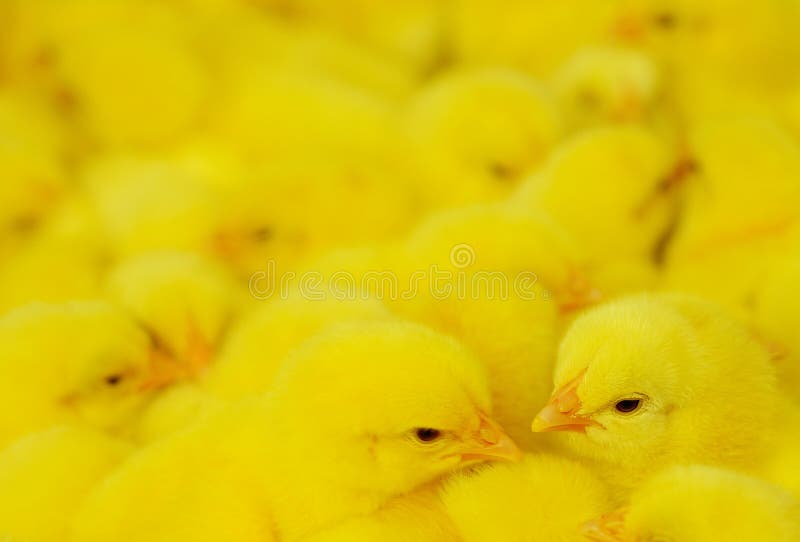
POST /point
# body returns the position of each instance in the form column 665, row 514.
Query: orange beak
column 491, row 443
column 580, row 293
column 199, row 353
column 607, row 528
column 630, row 109
column 628, row 28
column 561, row 412
column 163, row 371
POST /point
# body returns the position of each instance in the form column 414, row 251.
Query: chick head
column 184, row 300
column 629, row 204
column 84, row 360
column 602, row 85
column 31, row 154
column 653, row 379
column 396, row 404
column 689, row 503
column 478, row 133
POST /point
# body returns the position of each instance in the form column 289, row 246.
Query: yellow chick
column 291, row 211
column 536, row 36
column 605, row 85
column 45, row 476
column 245, row 40
column 134, row 79
column 701, row 504
column 77, row 362
column 32, row 156
column 542, row 498
column 653, row 380
column 477, row 132
column 357, row 416
column 728, row 218
column 259, row 343
column 151, row 204
column 721, row 53
column 406, row 32
column 419, row 515
column 63, row 260
column 626, row 207
column 304, row 116
column 773, row 312
column 173, row 409
column 186, row 302
column 499, row 281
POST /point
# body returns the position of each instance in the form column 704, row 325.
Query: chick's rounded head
column 477, row 133
column 688, row 503
column 653, row 379
column 398, row 400
column 83, row 361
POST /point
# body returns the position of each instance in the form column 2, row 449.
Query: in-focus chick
column 358, row 415
column 45, row 476
column 702, row 504
column 607, row 85
column 611, row 189
column 419, row 516
column 186, row 302
column 659, row 379
column 542, row 498
column 83, row 362
column 500, row 281
column 259, row 343
column 477, row 132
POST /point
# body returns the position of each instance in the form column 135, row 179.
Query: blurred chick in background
column 739, row 214
column 185, row 301
column 476, row 133
column 84, row 362
column 301, row 458
column 602, row 85
column 619, row 217
column 45, row 476
column 33, row 168
column 688, row 503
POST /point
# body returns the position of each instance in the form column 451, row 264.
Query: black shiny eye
column 426, row 434
column 113, row 380
column 626, row 406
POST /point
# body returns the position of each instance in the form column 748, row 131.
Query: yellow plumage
column 542, row 498
column 702, row 504
column 46, row 476
column 247, row 472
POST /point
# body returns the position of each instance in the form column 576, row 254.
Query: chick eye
column 627, row 406
column 665, row 20
column 261, row 235
column 113, row 380
column 426, row 434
